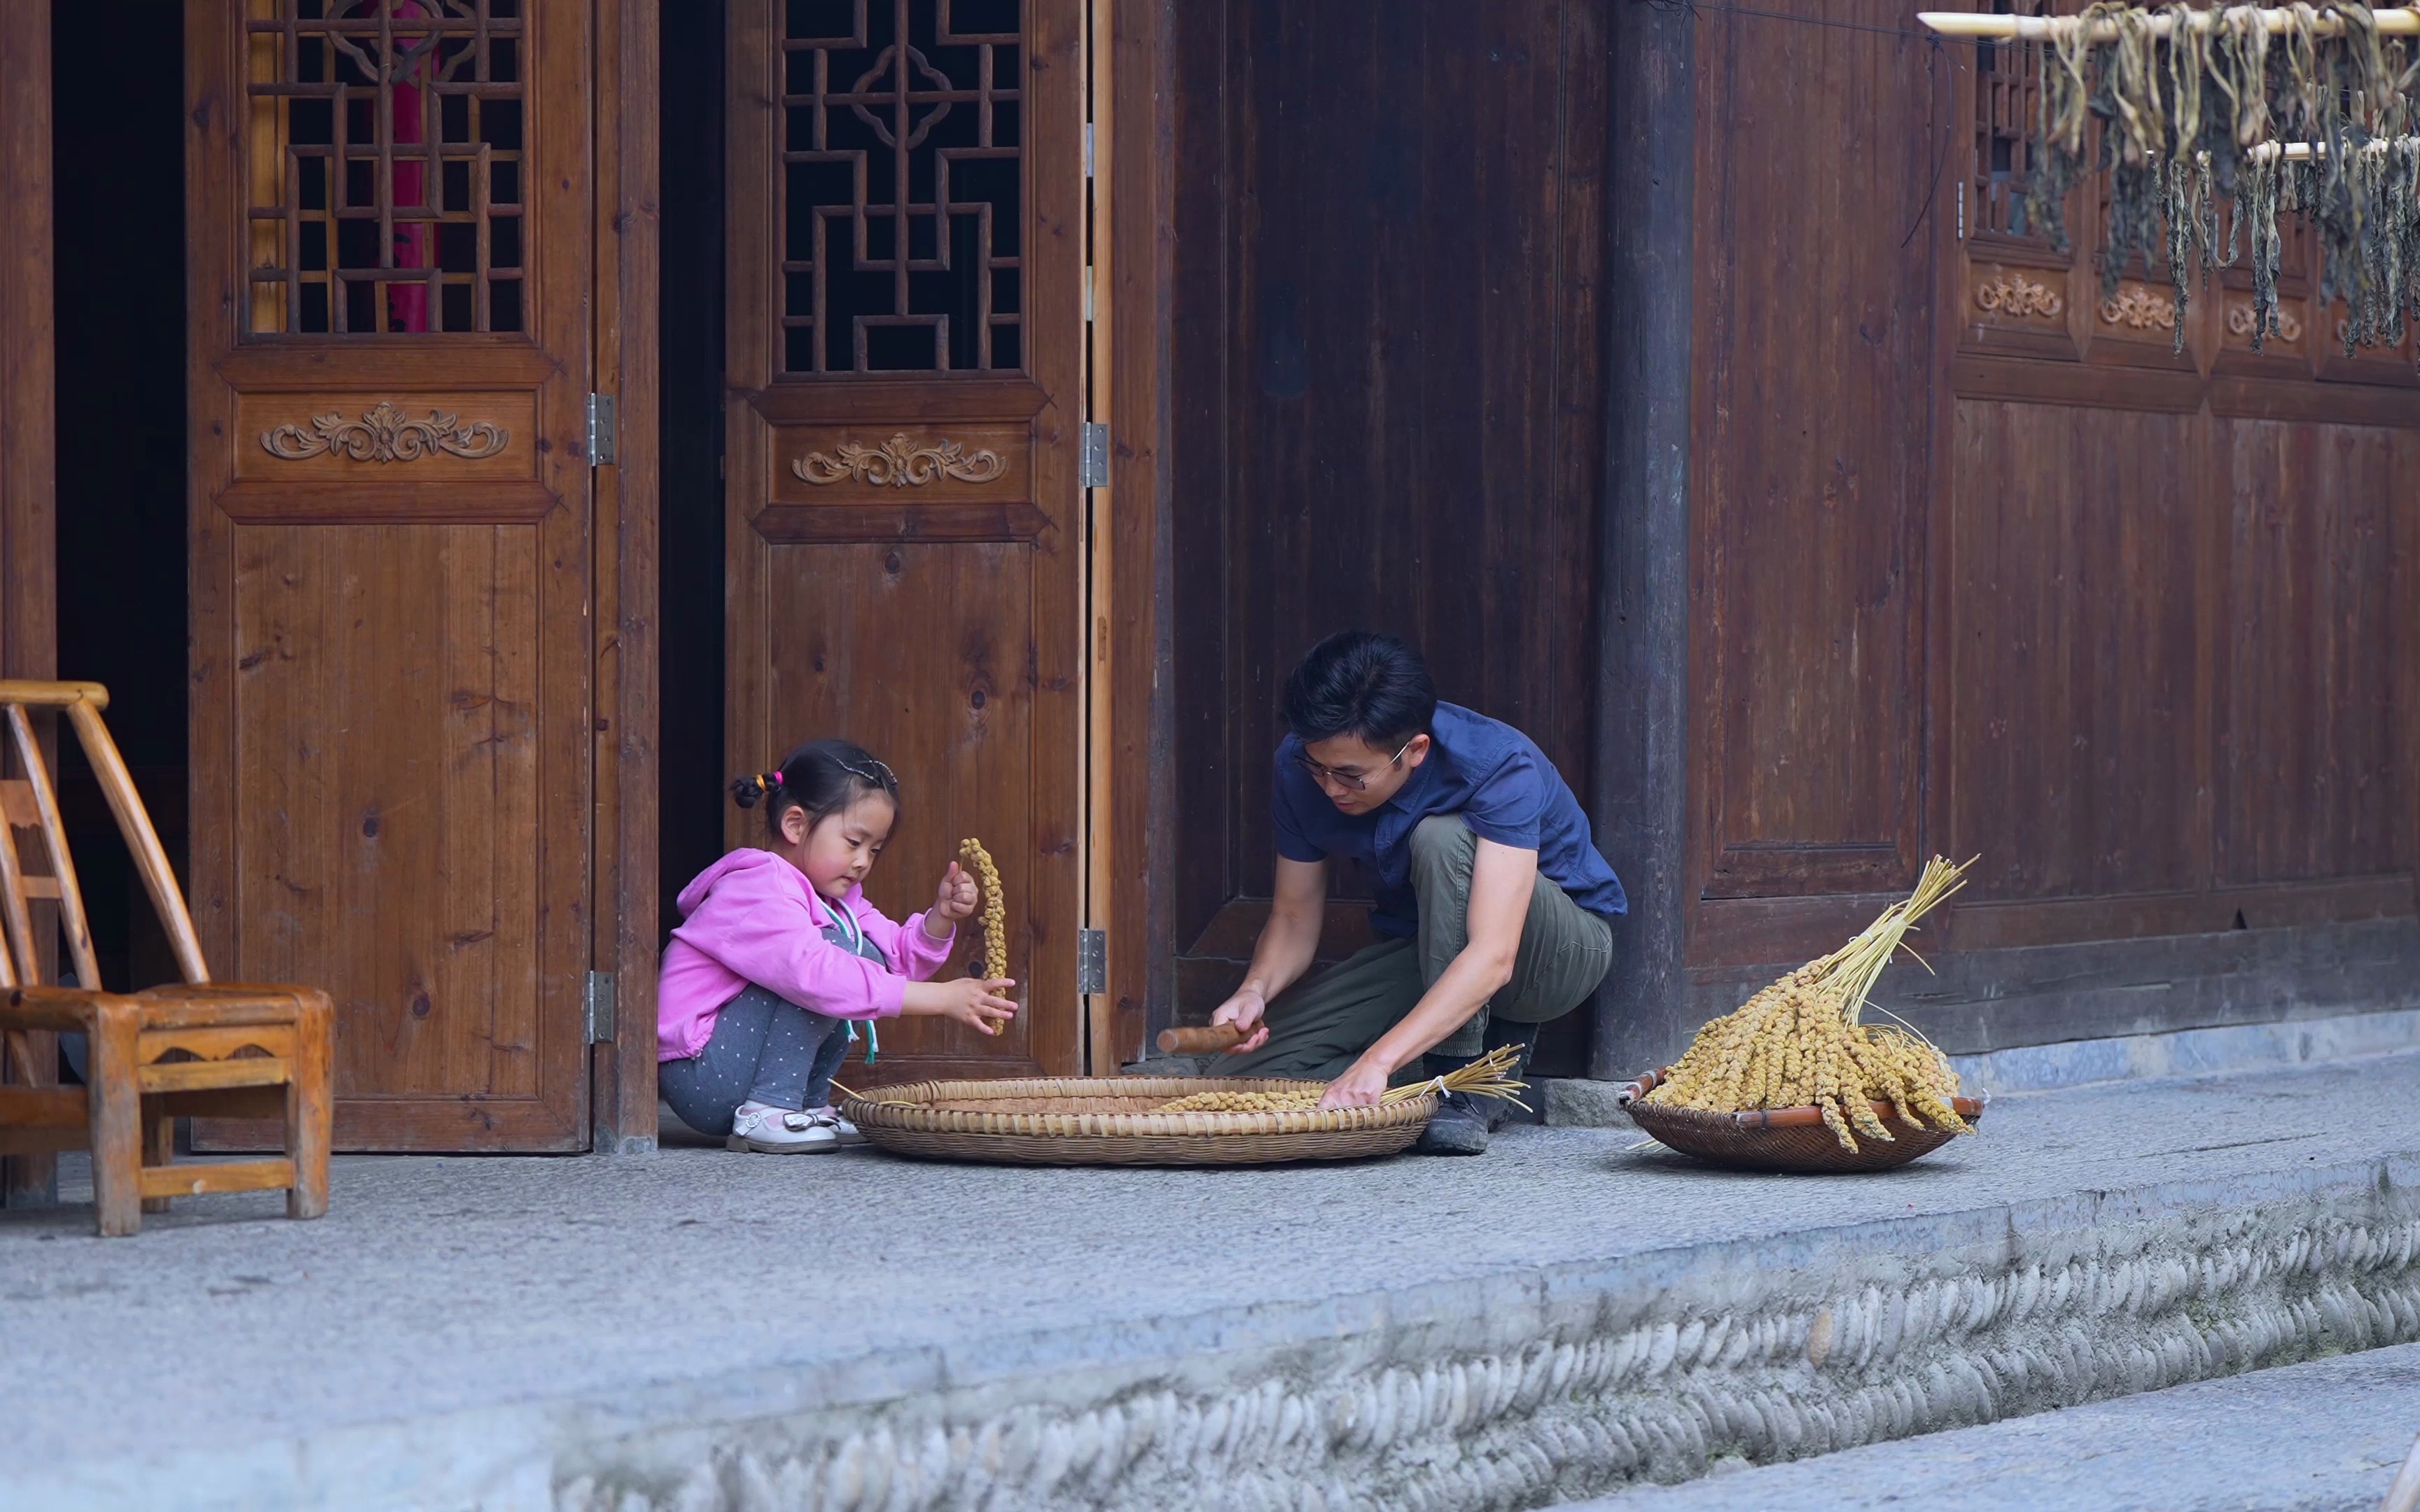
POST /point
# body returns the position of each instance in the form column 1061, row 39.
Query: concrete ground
column 2327, row 1436
column 702, row 1330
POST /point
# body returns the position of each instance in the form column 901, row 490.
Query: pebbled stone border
column 1584, row 1381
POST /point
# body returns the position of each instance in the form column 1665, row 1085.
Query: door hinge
column 1091, row 962
column 600, row 430
column 1093, row 472
column 597, row 1006
column 1088, row 149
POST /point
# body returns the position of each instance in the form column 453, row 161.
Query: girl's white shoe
column 771, row 1130
column 848, row 1132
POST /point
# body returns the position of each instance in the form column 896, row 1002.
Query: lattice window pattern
column 901, row 192
column 2008, row 93
column 386, row 165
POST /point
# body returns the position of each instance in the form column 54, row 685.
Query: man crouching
column 1492, row 900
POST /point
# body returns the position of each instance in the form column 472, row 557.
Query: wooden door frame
column 28, row 435
column 1131, row 814
column 628, row 355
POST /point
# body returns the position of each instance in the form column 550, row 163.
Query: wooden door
column 906, row 343
column 389, row 210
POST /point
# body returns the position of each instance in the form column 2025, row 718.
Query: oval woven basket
column 1102, row 1120
column 1781, row 1139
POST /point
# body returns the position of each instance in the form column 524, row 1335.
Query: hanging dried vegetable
column 2184, row 108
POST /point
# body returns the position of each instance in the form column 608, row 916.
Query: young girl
column 778, row 949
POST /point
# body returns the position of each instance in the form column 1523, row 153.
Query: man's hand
column 1244, row 1011
column 1362, row 1086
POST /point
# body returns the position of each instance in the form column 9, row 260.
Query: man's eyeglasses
column 1350, row 782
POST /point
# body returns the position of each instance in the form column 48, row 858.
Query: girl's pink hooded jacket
column 754, row 917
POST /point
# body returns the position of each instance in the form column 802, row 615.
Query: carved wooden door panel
column 389, row 210
column 904, row 525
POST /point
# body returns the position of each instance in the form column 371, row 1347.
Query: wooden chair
column 188, row 1049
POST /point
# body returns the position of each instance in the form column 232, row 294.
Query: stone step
column 2327, row 1436
column 1558, row 1319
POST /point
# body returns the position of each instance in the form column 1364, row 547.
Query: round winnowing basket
column 1102, row 1120
column 1781, row 1139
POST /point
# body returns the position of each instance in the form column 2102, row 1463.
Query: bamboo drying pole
column 1986, row 27
column 2305, row 151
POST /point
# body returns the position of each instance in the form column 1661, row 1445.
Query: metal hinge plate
column 596, row 1004
column 600, row 430
column 1091, row 962
column 1095, row 466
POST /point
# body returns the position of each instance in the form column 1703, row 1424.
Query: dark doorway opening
column 117, row 87
column 692, row 763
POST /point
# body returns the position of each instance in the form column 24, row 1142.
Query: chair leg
column 116, row 1120
column 158, row 1146
column 308, row 1111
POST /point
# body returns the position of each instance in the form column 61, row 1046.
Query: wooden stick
column 2305, row 151
column 1201, row 1042
column 55, row 839
column 1983, row 28
column 44, row 695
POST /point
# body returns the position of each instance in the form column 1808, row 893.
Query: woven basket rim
column 900, row 1108
column 1631, row 1099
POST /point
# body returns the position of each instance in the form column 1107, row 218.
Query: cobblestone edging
column 1735, row 1351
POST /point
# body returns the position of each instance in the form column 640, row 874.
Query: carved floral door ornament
column 899, row 463
column 384, row 434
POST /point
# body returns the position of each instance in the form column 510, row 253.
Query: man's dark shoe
column 1456, row 1128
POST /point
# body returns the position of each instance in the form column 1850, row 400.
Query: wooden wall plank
column 1811, row 446
column 28, row 444
column 2078, row 618
column 420, row 909
column 2319, row 651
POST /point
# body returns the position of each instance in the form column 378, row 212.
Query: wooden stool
column 193, row 1049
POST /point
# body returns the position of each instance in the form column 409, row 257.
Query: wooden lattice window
column 2007, row 95
column 385, row 166
column 902, row 186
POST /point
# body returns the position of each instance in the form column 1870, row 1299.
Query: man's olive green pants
column 1320, row 1027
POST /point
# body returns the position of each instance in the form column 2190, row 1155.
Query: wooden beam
column 629, row 95
column 1131, row 874
column 1983, row 28
column 1638, row 801
column 211, row 1076
column 28, row 458
column 195, row 1178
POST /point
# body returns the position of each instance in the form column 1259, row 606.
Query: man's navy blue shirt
column 1486, row 771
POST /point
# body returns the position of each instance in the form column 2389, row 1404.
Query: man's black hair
column 1356, row 683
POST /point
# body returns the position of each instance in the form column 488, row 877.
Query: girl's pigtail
column 746, row 791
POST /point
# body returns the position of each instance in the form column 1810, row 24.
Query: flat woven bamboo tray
column 1098, row 1120
column 1781, row 1139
